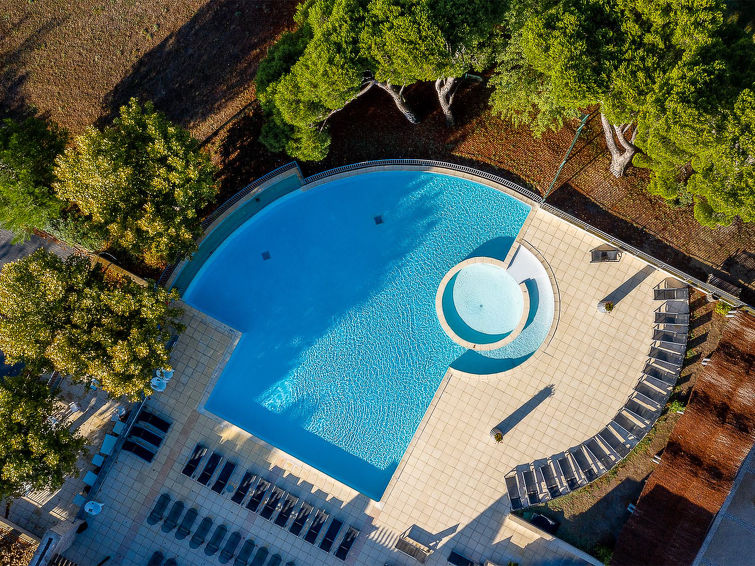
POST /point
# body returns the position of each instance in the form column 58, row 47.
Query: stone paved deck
column 450, row 482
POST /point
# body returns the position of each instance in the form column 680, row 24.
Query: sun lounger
column 138, row 450
column 272, row 503
column 458, row 560
column 223, row 476
column 531, row 486
column 156, row 515
column 670, row 337
column 661, row 374
column 317, row 523
column 343, row 549
column 230, row 547
column 568, row 472
column 599, row 256
column 145, row 435
column 603, row 455
column 171, row 521
column 275, row 560
column 286, row 509
column 246, row 551
column 515, row 495
column 550, row 480
column 301, row 517
column 156, row 559
column 217, row 539
column 679, row 319
column 209, row 468
column 259, row 493
column 200, row 535
column 260, row 557
column 666, row 356
column 612, row 441
column 244, row 487
column 330, row 535
column 196, row 456
column 583, row 463
column 154, row 420
column 108, row 444
column 184, row 529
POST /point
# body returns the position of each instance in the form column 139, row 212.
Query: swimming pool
column 333, row 289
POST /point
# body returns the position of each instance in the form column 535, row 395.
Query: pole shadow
column 507, row 424
column 629, row 285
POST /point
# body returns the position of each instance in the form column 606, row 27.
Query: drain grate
column 265, row 255
column 379, row 219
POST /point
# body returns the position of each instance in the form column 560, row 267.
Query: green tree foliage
column 65, row 315
column 27, row 154
column 672, row 80
column 34, row 452
column 140, row 184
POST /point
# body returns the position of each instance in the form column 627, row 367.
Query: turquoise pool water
column 334, row 291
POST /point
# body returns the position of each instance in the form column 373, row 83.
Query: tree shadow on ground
column 207, row 63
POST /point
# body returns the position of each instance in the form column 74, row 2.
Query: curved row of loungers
column 548, row 478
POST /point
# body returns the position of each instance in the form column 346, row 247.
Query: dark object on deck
column 545, row 523
column 217, row 539
column 671, row 318
column 301, row 517
column 200, row 535
column 184, row 528
column 275, row 560
column 223, row 476
column 343, row 549
column 147, row 436
column 666, row 356
column 244, row 486
column 260, row 557
column 568, row 471
column 172, row 520
column 246, row 551
column 154, row 420
column 139, row 450
column 191, row 466
column 671, row 293
column 156, row 559
column 272, row 503
column 458, row 560
column 259, row 493
column 330, row 535
column 156, row 515
column 550, row 480
column 607, row 254
column 209, row 468
column 515, row 496
column 317, row 523
column 286, row 510
column 531, row 485
column 230, row 547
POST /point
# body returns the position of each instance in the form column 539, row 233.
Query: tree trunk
column 398, row 100
column 446, row 89
column 620, row 157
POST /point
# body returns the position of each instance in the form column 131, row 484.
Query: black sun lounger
column 550, row 480
column 259, row 493
column 343, row 549
column 200, row 535
column 272, row 503
column 512, row 485
column 301, row 517
column 230, row 547
column 330, row 535
column 156, row 515
column 531, row 487
column 209, row 468
column 156, row 559
column 145, row 435
column 317, row 523
column 154, row 420
column 217, row 539
column 286, row 510
column 244, row 487
column 171, row 521
column 139, row 450
column 275, row 560
column 184, row 529
column 246, row 551
column 568, row 472
column 193, row 463
column 223, row 476
column 260, row 557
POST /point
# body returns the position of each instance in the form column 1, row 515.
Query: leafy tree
column 67, row 316
column 27, row 154
column 34, row 452
column 140, row 183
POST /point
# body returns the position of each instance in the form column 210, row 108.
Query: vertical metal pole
column 568, row 152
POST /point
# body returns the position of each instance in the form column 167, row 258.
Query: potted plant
column 605, row 306
column 496, row 435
